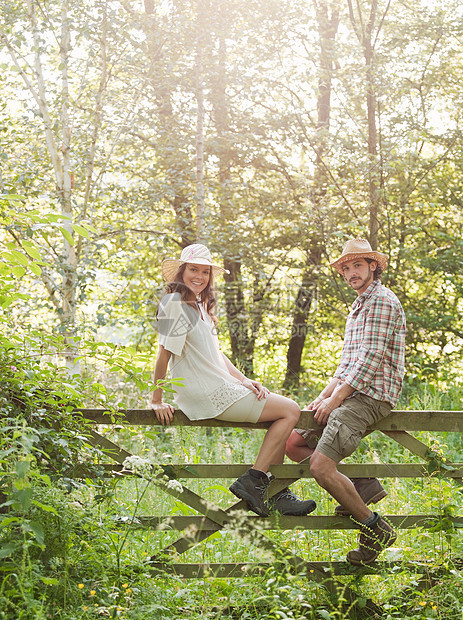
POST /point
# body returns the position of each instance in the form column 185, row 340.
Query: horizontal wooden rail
column 398, row 420
column 206, row 518
column 213, row 471
column 248, row 569
column 324, row 522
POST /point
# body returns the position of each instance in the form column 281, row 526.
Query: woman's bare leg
column 284, row 414
column 252, row 486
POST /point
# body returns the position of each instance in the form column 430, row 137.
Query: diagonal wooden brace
column 414, row 445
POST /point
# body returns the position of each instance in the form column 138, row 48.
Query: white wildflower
column 137, row 465
column 175, row 486
column 190, row 531
column 394, row 554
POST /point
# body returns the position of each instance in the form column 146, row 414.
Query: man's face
column 359, row 273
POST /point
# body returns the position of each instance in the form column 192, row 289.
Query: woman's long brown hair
column 207, row 296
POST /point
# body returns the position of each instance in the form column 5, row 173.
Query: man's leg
column 325, row 472
column 370, row 490
column 375, row 534
column 342, row 434
column 302, row 443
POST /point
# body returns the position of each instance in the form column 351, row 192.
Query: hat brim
column 380, row 258
column 170, row 266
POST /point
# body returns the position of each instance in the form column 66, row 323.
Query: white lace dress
column 207, row 388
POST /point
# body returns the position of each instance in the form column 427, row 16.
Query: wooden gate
column 211, row 518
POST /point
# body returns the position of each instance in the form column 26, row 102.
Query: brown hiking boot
column 370, row 490
column 372, row 541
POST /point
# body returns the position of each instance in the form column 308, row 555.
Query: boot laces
column 287, row 494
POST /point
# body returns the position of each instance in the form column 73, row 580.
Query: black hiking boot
column 253, row 491
column 286, row 503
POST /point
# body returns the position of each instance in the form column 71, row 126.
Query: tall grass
column 278, row 593
column 95, row 549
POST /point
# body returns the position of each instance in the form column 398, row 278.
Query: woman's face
column 196, row 277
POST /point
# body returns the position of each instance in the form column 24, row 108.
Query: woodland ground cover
column 68, row 549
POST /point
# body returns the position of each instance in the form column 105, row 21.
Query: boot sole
column 373, row 500
column 237, row 489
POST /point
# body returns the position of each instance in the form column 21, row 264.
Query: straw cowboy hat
column 197, row 254
column 358, row 248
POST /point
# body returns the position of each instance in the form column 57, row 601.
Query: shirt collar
column 361, row 299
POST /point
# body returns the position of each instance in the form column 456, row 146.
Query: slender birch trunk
column 60, row 155
column 65, row 193
column 199, row 70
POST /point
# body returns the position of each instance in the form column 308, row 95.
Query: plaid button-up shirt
column 373, row 354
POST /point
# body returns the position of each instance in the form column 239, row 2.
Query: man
column 365, row 387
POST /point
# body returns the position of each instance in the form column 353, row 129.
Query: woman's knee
column 279, row 407
column 293, row 410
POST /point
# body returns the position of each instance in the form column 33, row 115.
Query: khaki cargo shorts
column 346, row 426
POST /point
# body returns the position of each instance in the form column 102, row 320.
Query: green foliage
column 282, row 194
column 41, row 440
column 76, row 550
column 44, row 521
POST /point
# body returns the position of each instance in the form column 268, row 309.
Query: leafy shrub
column 41, row 440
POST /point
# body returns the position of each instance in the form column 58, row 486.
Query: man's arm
column 325, row 393
column 379, row 328
column 329, row 403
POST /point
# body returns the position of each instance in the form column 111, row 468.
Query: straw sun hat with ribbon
column 359, row 248
column 197, row 254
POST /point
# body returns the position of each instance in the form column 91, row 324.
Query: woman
column 212, row 386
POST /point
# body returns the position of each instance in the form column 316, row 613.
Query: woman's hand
column 163, row 412
column 256, row 387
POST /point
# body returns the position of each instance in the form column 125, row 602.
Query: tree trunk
column 199, row 69
column 65, row 190
column 299, row 328
column 241, row 340
column 373, row 170
column 367, row 37
column 61, row 162
column 327, row 29
column 242, row 330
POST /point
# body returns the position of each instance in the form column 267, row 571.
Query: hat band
column 197, row 261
